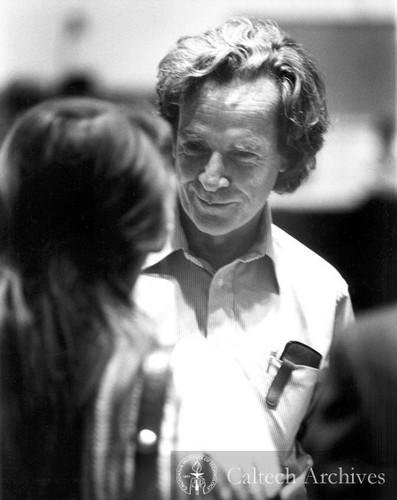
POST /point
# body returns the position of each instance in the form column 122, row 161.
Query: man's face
column 227, row 160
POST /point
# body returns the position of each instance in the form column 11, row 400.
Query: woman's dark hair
column 83, row 195
column 249, row 48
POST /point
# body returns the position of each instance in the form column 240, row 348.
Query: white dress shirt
column 279, row 291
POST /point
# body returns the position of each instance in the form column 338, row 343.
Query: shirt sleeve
column 344, row 318
column 344, row 315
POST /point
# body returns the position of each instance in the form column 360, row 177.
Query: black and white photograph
column 198, row 250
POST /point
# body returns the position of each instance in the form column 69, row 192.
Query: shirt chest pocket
column 288, row 392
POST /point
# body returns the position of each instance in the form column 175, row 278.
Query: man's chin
column 216, row 228
column 211, row 224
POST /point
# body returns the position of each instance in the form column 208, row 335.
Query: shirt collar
column 177, row 241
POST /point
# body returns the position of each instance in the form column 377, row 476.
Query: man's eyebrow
column 188, row 134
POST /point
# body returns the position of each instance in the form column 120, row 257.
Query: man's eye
column 194, row 148
column 244, row 155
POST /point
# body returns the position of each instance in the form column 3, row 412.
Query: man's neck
column 220, row 250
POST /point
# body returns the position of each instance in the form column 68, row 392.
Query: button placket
column 220, row 302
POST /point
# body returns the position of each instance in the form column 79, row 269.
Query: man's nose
column 213, row 176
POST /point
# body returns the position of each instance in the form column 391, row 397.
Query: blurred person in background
column 247, row 107
column 353, row 434
column 77, row 84
column 84, row 195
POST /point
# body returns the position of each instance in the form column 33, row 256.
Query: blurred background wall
column 111, row 48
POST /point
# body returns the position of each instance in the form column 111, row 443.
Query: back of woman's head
column 83, row 198
column 82, row 190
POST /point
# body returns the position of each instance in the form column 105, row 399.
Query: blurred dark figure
column 77, row 85
column 353, row 437
column 82, row 203
column 16, row 98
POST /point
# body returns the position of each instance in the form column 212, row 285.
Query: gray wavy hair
column 248, row 48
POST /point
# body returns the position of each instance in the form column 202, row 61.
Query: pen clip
column 279, row 383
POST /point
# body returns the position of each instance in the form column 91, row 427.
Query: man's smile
column 214, row 202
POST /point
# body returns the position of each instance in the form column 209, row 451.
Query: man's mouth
column 214, row 202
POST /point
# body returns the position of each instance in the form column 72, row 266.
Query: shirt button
column 221, row 282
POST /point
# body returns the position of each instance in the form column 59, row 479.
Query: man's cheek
column 186, row 175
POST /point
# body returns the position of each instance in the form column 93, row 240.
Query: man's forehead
column 260, row 93
column 238, row 107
